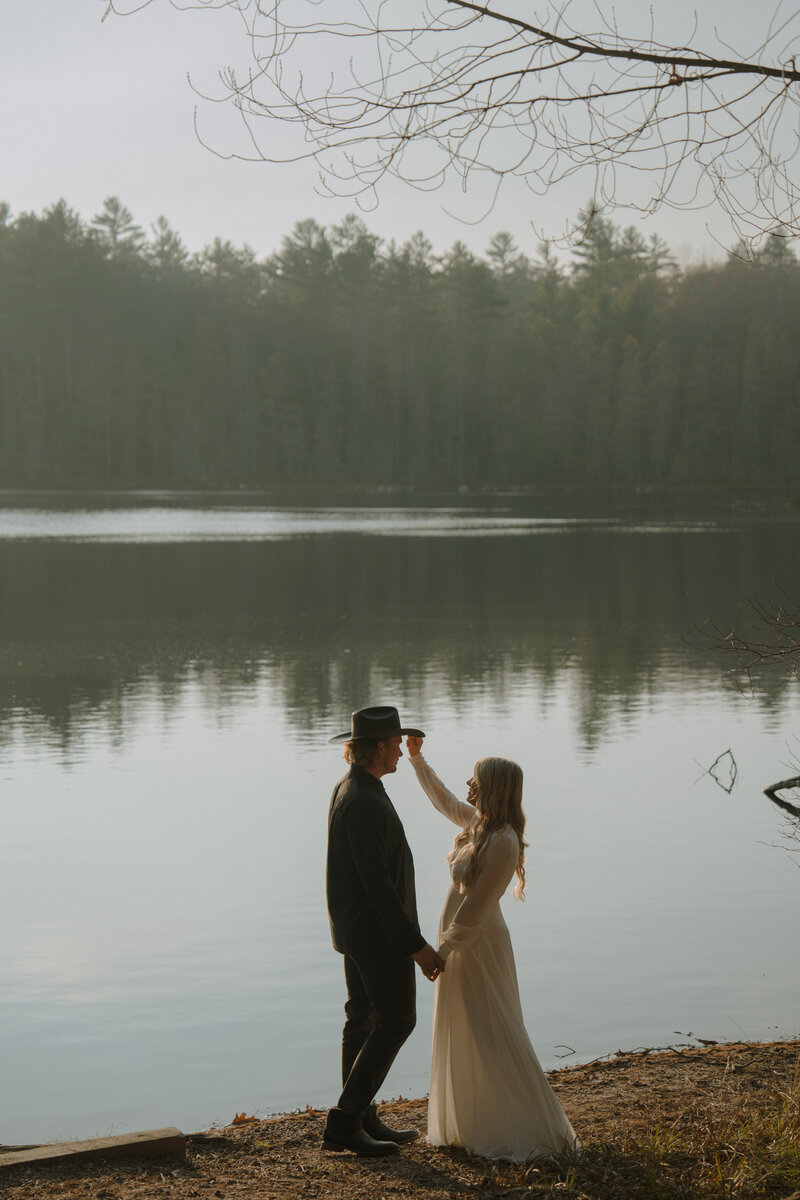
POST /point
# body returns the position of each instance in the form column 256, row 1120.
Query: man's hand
column 413, row 745
column 429, row 962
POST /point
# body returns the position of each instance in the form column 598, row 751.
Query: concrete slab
column 149, row 1143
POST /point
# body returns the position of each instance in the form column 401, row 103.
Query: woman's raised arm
column 458, row 811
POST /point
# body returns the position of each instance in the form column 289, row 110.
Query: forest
column 342, row 360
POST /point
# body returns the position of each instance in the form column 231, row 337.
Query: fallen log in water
column 786, row 805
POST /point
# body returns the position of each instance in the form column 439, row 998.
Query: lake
column 172, row 667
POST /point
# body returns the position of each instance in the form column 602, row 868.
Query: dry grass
column 754, row 1152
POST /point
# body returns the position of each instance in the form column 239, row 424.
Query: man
column 373, row 914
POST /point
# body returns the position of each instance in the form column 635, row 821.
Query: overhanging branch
column 432, row 93
column 634, row 54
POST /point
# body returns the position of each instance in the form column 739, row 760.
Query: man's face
column 390, row 755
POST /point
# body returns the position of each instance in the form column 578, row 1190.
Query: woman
column 488, row 1092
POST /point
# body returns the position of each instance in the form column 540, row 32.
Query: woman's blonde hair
column 498, row 802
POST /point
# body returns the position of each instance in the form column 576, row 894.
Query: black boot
column 374, row 1126
column 343, row 1131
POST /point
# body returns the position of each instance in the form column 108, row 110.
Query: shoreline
column 649, row 1120
column 780, row 492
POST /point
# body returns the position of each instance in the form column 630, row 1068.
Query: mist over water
column 169, row 676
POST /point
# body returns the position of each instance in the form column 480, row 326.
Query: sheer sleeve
column 497, row 864
column 458, row 811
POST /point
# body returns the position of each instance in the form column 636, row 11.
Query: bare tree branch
column 772, row 639
column 733, row 771
column 636, row 54
column 427, row 89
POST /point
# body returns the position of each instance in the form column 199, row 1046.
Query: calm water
column 171, row 670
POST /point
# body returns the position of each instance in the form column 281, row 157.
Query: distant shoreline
column 781, row 493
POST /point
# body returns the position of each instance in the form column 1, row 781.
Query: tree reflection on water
column 329, row 618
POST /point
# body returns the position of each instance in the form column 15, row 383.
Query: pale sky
column 91, row 109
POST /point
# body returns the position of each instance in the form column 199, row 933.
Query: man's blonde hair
column 361, row 752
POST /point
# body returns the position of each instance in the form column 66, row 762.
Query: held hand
column 429, row 962
column 413, row 745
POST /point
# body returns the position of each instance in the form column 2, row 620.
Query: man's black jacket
column 372, row 902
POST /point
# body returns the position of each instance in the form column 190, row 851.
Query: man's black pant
column 380, row 1014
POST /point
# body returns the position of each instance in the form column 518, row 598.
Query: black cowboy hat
column 382, row 722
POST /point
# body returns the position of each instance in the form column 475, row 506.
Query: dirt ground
column 280, row 1157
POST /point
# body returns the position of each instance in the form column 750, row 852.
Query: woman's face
column 472, row 790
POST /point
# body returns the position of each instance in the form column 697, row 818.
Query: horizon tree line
column 342, row 359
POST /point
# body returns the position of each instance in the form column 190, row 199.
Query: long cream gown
column 488, row 1092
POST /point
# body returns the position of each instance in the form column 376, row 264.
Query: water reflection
column 326, row 616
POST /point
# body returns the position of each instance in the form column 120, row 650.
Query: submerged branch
column 786, row 805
